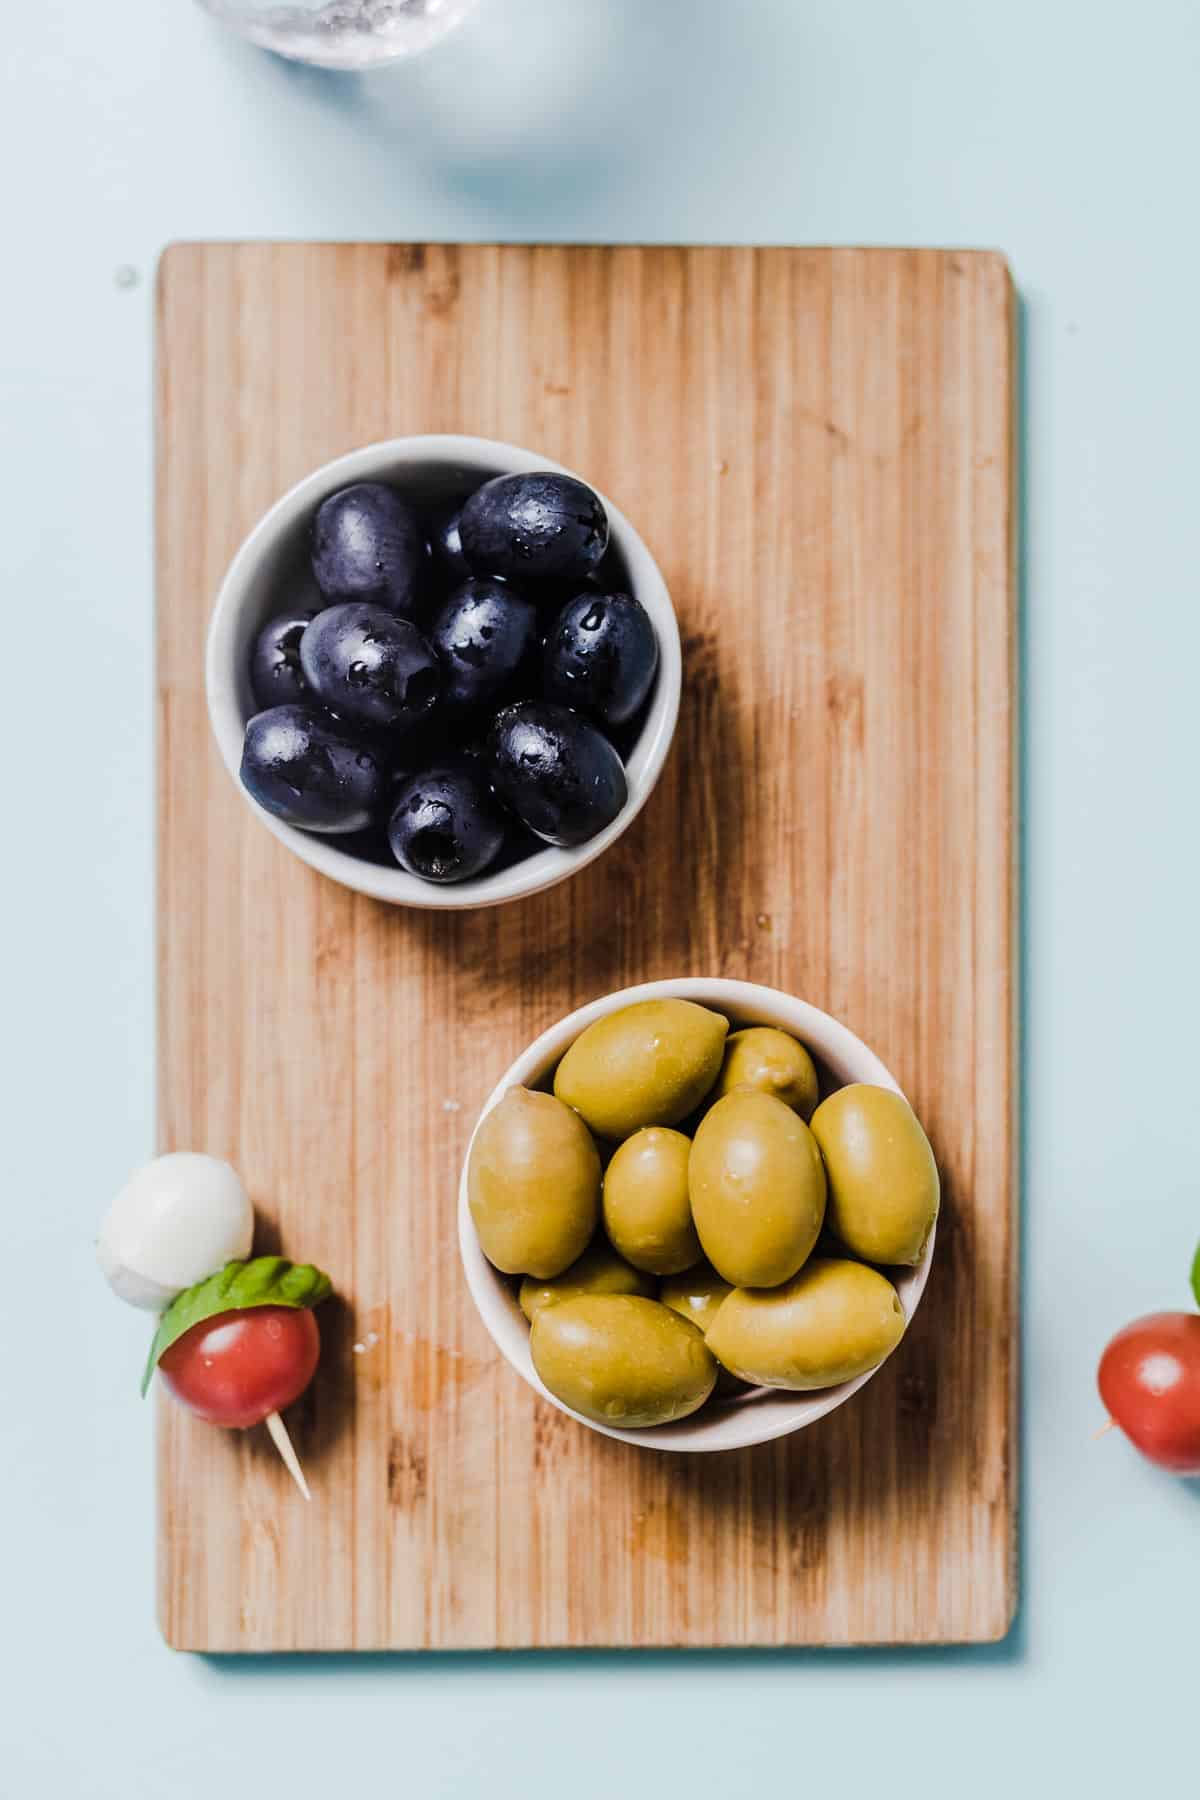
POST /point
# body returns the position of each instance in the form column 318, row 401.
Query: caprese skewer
column 236, row 1340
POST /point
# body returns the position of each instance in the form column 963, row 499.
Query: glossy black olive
column 307, row 770
column 601, row 656
column 370, row 666
column 368, row 544
column 536, row 527
column 484, row 635
column 561, row 776
column 445, row 824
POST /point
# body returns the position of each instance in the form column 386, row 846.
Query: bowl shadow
column 617, row 922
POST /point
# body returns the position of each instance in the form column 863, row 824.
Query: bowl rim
column 494, row 1301
column 227, row 717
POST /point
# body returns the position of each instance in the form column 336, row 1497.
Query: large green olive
column 761, row 1057
column 648, row 1064
column 647, row 1213
column 883, row 1181
column 533, row 1183
column 621, row 1360
column 834, row 1320
column 757, row 1188
column 598, row 1271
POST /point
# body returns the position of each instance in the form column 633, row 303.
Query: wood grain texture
column 817, row 446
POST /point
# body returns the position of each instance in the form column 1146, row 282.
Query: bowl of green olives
column 444, row 671
column 697, row 1215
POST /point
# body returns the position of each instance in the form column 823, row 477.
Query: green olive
column 622, row 1360
column 883, row 1181
column 647, row 1213
column 757, row 1188
column 533, row 1183
column 834, row 1320
column 648, row 1064
column 697, row 1295
column 761, row 1057
column 598, row 1271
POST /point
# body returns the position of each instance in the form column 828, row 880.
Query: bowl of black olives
column 444, row 671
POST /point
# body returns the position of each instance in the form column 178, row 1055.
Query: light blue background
column 1067, row 135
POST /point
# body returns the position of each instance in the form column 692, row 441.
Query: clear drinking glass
column 342, row 34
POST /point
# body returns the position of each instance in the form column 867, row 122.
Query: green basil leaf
column 263, row 1281
column 1196, row 1275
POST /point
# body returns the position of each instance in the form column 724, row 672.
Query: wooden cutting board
column 817, row 445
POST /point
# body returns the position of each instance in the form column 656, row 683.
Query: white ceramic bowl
column 759, row 1417
column 271, row 571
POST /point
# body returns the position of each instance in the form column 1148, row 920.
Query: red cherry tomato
column 236, row 1368
column 1150, row 1383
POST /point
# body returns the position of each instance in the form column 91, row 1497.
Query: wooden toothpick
column 287, row 1450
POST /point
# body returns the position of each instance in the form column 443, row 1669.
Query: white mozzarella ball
column 176, row 1220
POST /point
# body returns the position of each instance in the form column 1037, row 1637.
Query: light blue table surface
column 1064, row 133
